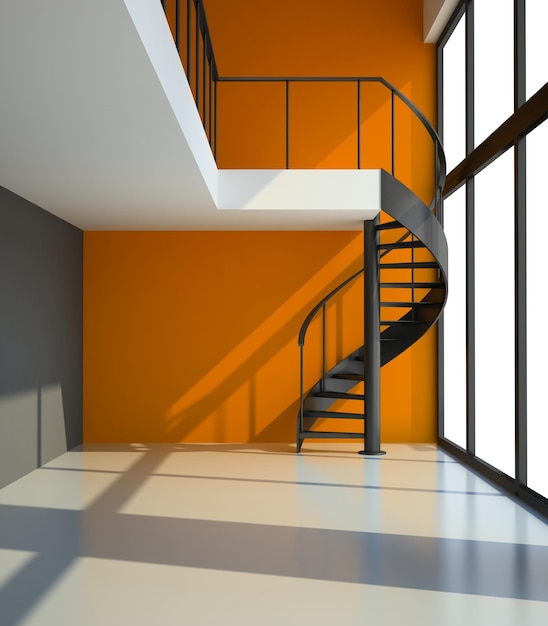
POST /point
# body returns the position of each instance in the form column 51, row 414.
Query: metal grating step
column 412, row 285
column 342, row 395
column 390, row 225
column 348, row 376
column 400, row 245
column 416, row 266
column 316, row 434
column 392, row 322
column 409, row 305
column 336, row 414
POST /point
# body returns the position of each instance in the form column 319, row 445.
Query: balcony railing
column 189, row 25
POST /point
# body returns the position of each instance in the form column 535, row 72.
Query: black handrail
column 334, row 292
column 322, row 306
column 439, row 157
column 312, row 314
column 209, row 110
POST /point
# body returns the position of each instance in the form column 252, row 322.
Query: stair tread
column 409, row 305
column 343, row 395
column 390, row 322
column 413, row 285
column 336, row 414
column 389, row 225
column 348, row 376
column 409, row 265
column 317, row 434
column 400, row 245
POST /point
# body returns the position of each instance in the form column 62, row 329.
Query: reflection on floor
column 247, row 534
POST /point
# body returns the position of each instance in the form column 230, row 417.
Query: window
column 494, row 302
column 500, row 426
column 537, row 303
column 536, row 48
column 454, row 97
column 454, row 317
column 493, row 65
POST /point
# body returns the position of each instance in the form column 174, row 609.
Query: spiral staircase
column 410, row 260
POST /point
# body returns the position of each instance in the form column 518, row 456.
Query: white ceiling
column 96, row 125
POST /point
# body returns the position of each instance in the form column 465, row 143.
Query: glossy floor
column 244, row 534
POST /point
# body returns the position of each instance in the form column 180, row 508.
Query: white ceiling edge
column 98, row 126
column 436, row 15
column 153, row 29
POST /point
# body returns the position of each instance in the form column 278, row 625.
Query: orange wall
column 192, row 336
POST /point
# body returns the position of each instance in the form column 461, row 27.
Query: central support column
column 372, row 340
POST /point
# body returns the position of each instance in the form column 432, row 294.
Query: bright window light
column 454, row 316
column 494, row 313
column 537, row 306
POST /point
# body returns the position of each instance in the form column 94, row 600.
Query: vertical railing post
column 393, row 148
column 437, row 189
column 178, row 25
column 300, row 421
column 204, row 74
column 215, row 81
column 359, row 126
column 324, row 360
column 413, row 275
column 210, row 133
column 197, row 98
column 372, row 340
column 286, row 124
column 188, row 36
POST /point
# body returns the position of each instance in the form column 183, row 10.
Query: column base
column 366, row 453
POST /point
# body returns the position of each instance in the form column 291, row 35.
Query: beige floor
column 243, row 534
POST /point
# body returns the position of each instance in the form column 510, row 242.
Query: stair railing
column 198, row 59
column 188, row 22
column 321, row 306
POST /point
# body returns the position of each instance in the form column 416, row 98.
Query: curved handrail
column 334, row 292
column 440, row 158
column 429, row 128
column 312, row 314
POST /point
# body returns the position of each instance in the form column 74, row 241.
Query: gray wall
column 41, row 263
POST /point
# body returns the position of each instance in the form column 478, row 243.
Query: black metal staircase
column 410, row 261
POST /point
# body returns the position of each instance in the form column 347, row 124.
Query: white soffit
column 436, row 15
column 98, row 126
column 355, row 190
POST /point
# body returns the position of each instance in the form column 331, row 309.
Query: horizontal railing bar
column 303, row 79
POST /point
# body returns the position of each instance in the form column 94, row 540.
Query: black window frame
column 528, row 114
